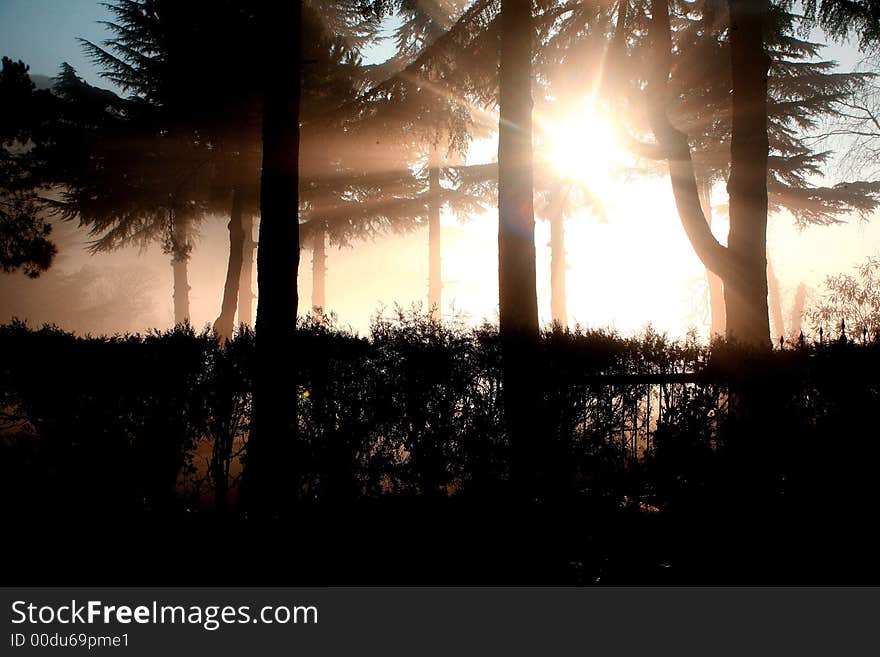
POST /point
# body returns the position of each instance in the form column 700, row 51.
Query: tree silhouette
column 434, row 93
column 179, row 57
column 570, row 72
column 698, row 102
column 175, row 57
column 517, row 295
column 742, row 264
column 239, row 194
column 240, row 229
column 135, row 178
column 337, row 158
column 123, row 176
column 271, row 469
column 24, row 115
column 842, row 18
column 422, row 25
column 476, row 25
column 802, row 92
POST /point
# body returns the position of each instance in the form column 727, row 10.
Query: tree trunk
column 517, row 295
column 225, row 323
column 273, row 480
column 742, row 265
column 435, row 282
column 179, row 263
column 558, row 310
column 717, row 320
column 775, row 304
column 797, row 311
column 319, row 271
column 745, row 290
column 674, row 144
column 246, row 283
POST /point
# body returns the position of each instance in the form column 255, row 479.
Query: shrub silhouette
column 718, row 441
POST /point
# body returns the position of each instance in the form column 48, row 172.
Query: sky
column 43, row 33
column 632, row 269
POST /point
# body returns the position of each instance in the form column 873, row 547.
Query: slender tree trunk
column 179, row 263
column 246, row 282
column 517, row 296
column 745, row 291
column 797, row 310
column 717, row 319
column 225, row 323
column 272, row 476
column 435, row 282
column 319, row 272
column 775, row 304
column 558, row 309
column 181, row 289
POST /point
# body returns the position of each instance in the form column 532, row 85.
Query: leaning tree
column 740, row 122
column 803, row 92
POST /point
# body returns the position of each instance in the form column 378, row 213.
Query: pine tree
column 696, row 100
column 803, row 91
column 24, row 114
column 617, row 40
column 419, row 102
column 158, row 47
column 422, row 24
column 842, row 18
column 125, row 177
column 134, row 183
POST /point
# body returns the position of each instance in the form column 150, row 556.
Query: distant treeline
column 159, row 422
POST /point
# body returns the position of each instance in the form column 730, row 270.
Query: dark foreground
column 452, row 543
column 669, row 463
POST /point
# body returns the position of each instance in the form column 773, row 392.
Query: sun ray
column 583, row 147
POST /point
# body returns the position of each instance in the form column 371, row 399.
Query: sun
column 583, row 147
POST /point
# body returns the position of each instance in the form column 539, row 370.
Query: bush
column 159, row 422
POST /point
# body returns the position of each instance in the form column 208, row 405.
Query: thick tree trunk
column 319, row 272
column 745, row 289
column 517, row 296
column 717, row 320
column 273, row 480
column 558, row 309
column 435, row 282
column 179, row 263
column 246, row 282
column 225, row 323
